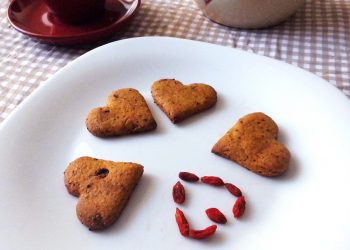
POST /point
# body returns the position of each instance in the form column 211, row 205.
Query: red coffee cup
column 76, row 11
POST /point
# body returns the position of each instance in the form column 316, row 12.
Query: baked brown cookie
column 180, row 101
column 126, row 113
column 252, row 143
column 103, row 188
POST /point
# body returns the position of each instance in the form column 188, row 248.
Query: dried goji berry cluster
column 179, row 196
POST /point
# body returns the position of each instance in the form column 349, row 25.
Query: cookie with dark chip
column 103, row 188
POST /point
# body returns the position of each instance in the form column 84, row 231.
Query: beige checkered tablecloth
column 317, row 39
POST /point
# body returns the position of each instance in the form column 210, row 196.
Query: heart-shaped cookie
column 126, row 113
column 252, row 143
column 180, row 101
column 103, row 188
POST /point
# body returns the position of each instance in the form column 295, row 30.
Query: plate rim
column 45, row 84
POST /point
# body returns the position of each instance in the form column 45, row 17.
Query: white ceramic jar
column 249, row 13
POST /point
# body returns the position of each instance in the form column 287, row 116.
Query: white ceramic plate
column 308, row 208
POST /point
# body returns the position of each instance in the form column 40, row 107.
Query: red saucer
column 32, row 18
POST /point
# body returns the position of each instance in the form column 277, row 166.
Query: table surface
column 316, row 38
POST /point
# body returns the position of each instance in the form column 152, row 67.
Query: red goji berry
column 215, row 215
column 190, row 177
column 233, row 189
column 212, row 180
column 182, row 223
column 179, row 194
column 201, row 234
column 239, row 207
